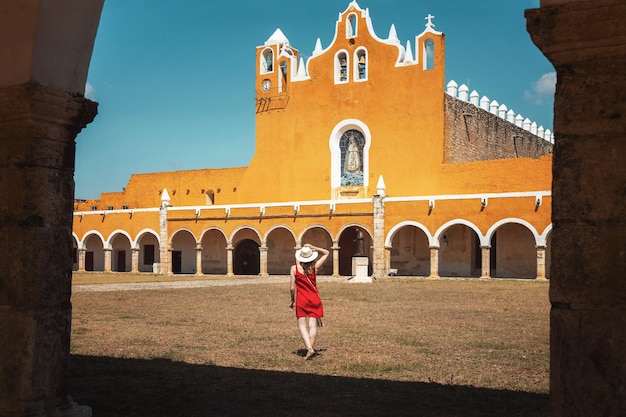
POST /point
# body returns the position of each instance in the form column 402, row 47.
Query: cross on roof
column 430, row 23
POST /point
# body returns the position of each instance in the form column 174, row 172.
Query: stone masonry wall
column 474, row 134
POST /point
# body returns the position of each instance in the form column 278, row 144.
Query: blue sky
column 174, row 79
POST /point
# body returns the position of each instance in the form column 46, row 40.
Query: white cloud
column 90, row 92
column 546, row 85
column 543, row 88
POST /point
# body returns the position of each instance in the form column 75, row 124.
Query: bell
column 362, row 60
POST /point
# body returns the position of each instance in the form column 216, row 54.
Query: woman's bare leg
column 312, row 330
column 304, row 333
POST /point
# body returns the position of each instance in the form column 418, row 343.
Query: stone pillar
column 387, row 259
column 81, row 259
column 229, row 260
column 37, row 131
column 335, row 248
column 165, row 265
column 44, row 58
column 541, row 262
column 134, row 253
column 586, row 43
column 263, row 260
column 107, row 260
column 199, row 259
column 379, row 267
column 434, row 262
column 485, row 261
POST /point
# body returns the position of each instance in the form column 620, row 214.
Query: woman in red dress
column 305, row 298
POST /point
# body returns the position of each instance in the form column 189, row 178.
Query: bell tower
column 276, row 60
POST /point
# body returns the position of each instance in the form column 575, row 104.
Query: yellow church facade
column 363, row 149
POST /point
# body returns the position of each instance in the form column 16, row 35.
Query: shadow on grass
column 115, row 387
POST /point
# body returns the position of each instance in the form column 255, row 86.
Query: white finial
column 502, row 111
column 473, row 98
column 452, row 88
column 493, row 107
column 380, row 186
column 165, row 198
column 430, row 24
column 408, row 58
column 301, row 69
column 393, row 35
column 463, row 92
column 510, row 116
column 484, row 103
column 318, row 47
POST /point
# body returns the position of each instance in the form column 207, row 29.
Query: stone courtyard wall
column 474, row 134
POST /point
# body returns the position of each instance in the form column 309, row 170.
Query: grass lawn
column 396, row 347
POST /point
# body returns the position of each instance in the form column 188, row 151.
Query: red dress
column 308, row 301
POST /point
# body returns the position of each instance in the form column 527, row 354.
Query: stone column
column 379, row 267
column 81, row 260
column 45, row 50
column 485, row 261
column 199, row 259
column 134, row 253
column 263, row 260
column 541, row 262
column 229, row 260
column 165, row 264
column 434, row 262
column 387, row 259
column 335, row 248
column 37, row 131
column 586, row 43
column 107, row 259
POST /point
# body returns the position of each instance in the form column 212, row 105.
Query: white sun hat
column 306, row 254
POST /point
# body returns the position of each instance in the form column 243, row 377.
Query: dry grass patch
column 480, row 347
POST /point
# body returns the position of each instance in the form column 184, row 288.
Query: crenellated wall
column 481, row 131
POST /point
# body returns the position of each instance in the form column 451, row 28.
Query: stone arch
column 409, row 244
column 93, row 245
column 499, row 223
column 183, row 252
column 354, row 240
column 120, row 244
column 513, row 252
column 214, row 255
column 460, row 253
column 280, row 242
column 149, row 244
column 246, row 242
column 319, row 235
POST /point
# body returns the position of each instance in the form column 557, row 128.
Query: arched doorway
column 247, row 260
column 183, row 252
column 280, row 251
column 459, row 252
column 214, row 258
column 513, row 252
column 354, row 241
column 410, row 253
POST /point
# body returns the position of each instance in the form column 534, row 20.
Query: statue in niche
column 359, row 243
column 352, row 164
